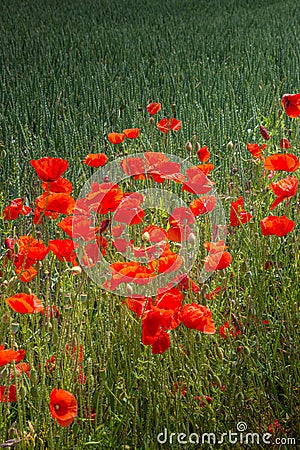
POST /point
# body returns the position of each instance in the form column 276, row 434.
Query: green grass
column 71, row 73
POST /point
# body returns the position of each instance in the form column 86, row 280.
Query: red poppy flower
column 20, row 369
column 282, row 161
column 152, row 322
column 217, row 261
column 153, row 108
column 49, row 169
column 284, row 189
column 161, row 344
column 25, row 303
column 132, row 133
column 127, row 272
column 91, row 251
column 179, row 388
column 264, row 133
column 160, row 168
column 116, row 138
column 156, row 234
column 9, row 355
column 198, row 317
column 151, row 252
column 291, row 104
column 211, row 295
column 215, row 247
column 182, row 216
column 276, row 225
column 187, row 284
column 30, row 251
column 31, row 248
column 55, row 202
column 95, row 160
column 138, row 304
column 8, row 394
column 197, row 183
column 229, row 329
column 256, row 150
column 135, row 167
column 285, row 143
column 14, row 209
column 104, row 197
column 203, row 154
column 165, row 125
column 203, row 205
column 63, row 407
column 238, row 215
column 26, row 275
column 61, row 185
column 129, row 210
column 203, row 400
column 78, row 226
column 178, row 232
column 167, row 262
column 171, row 299
column 63, row 249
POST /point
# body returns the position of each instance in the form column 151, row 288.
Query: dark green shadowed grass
column 71, row 72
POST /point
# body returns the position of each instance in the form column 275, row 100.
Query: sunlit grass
column 72, row 73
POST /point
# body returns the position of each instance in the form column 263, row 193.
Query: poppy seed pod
column 189, row 146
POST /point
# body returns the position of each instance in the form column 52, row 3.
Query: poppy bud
column 230, row 145
column 264, row 133
column 189, row 146
column 106, row 179
column 5, row 318
column 197, row 146
column 76, row 270
column 146, row 236
column 129, row 290
column 192, row 239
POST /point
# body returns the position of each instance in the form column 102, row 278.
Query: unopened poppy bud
column 151, row 120
column 192, row 239
column 264, row 133
column 189, row 146
column 76, row 270
column 146, row 236
column 197, row 146
column 230, row 145
column 5, row 318
column 106, row 179
column 219, row 353
column 129, row 290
